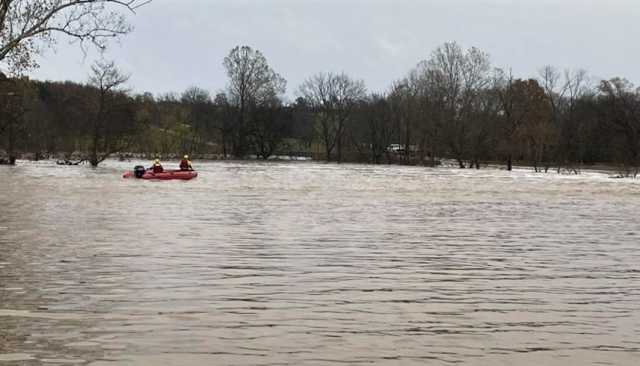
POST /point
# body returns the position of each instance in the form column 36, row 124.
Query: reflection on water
column 314, row 264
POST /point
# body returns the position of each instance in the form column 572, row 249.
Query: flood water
column 316, row 264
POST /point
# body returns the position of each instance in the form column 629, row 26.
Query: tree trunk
column 433, row 155
column 407, row 144
column 509, row 163
column 11, row 147
column 328, row 150
column 422, row 151
column 224, row 144
column 93, row 159
column 339, row 148
column 239, row 138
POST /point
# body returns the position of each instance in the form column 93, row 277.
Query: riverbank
column 611, row 171
column 78, row 158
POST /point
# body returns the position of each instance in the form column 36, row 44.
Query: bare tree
column 485, row 113
column 576, row 87
column 404, row 112
column 457, row 77
column 269, row 125
column 108, row 135
column 564, row 91
column 549, row 78
column 621, row 111
column 223, row 120
column 333, row 98
column 375, row 128
column 252, row 83
column 195, row 95
column 27, row 27
column 523, row 103
column 11, row 113
column 200, row 109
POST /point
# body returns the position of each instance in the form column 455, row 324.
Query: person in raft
column 185, row 164
column 157, row 167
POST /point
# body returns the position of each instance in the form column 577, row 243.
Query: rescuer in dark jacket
column 157, row 167
column 185, row 163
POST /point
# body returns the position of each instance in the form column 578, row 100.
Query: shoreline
column 608, row 169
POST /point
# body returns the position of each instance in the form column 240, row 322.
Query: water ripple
column 317, row 264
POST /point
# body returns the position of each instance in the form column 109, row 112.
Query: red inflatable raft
column 165, row 175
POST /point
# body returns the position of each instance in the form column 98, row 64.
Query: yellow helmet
column 157, row 161
column 186, row 156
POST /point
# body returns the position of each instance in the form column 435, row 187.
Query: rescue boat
column 140, row 172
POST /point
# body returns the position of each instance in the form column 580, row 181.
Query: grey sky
column 179, row 43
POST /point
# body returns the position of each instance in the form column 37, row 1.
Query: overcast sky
column 179, row 43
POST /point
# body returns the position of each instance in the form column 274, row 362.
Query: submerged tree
column 454, row 79
column 565, row 92
column 373, row 130
column 333, row 98
column 523, row 103
column 252, row 83
column 11, row 113
column 113, row 118
column 269, row 125
column 620, row 109
column 410, row 119
column 223, row 121
column 200, row 109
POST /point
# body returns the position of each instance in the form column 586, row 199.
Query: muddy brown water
column 316, row 264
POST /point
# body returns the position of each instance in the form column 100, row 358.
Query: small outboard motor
column 139, row 171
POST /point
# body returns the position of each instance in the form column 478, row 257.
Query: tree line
column 454, row 106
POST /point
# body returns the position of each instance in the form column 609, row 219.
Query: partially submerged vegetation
column 453, row 105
